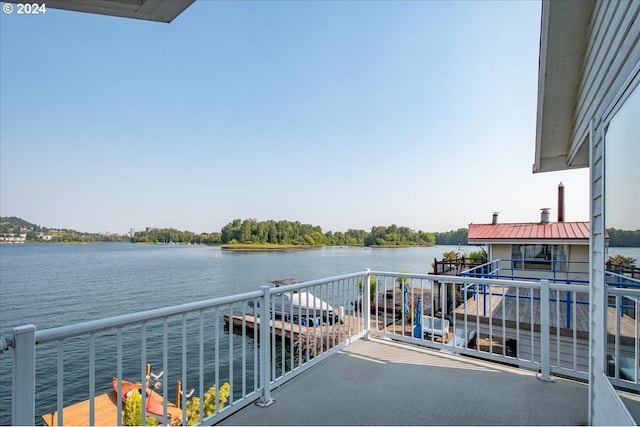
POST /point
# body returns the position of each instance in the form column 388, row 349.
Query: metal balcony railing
column 223, row 341
column 218, row 342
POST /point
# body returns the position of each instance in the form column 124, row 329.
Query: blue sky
column 339, row 114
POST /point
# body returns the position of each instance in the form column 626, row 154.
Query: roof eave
column 563, row 41
column 528, row 241
column 149, row 10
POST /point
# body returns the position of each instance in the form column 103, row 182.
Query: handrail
column 365, row 317
column 92, row 326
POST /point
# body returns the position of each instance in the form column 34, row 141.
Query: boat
column 153, row 399
column 301, row 307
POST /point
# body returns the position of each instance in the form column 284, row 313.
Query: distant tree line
column 394, row 235
column 171, row 235
column 251, row 231
column 623, row 238
column 457, row 237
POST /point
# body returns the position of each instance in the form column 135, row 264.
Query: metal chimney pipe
column 544, row 215
column 560, row 202
column 494, row 221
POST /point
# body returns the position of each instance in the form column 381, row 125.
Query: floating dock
column 105, row 413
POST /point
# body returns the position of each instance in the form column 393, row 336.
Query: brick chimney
column 560, row 202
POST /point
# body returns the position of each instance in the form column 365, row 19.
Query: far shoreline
column 276, row 247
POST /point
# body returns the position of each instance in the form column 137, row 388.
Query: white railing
column 623, row 331
column 523, row 323
column 219, row 341
column 197, row 345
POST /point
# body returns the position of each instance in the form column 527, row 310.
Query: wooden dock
column 525, row 313
column 105, row 412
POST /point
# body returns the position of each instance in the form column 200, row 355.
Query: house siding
column 611, row 54
column 577, row 255
column 611, row 60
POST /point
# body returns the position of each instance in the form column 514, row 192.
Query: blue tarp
column 417, row 329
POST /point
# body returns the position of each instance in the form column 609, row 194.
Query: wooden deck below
column 526, row 313
column 105, row 413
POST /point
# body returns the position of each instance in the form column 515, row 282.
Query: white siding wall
column 611, row 58
column 613, row 50
column 576, row 253
column 501, row 251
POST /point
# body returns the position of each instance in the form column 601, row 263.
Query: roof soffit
column 563, row 40
column 150, row 10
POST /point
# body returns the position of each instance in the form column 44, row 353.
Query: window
column 539, row 257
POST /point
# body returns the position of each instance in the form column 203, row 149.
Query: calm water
column 52, row 285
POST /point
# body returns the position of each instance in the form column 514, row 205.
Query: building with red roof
column 529, row 249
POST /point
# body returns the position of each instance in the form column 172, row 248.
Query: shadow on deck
column 381, row 382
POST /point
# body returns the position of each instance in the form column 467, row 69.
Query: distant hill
column 12, row 224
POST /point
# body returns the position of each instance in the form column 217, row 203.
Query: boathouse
column 555, row 250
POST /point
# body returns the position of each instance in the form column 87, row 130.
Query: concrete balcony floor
column 380, row 382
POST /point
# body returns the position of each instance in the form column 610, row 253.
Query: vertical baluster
column 336, row 303
column 285, row 309
column 270, row 325
column 477, row 299
column 637, row 341
column 92, row 378
column 231, row 360
column 532, row 328
column 490, row 314
column 574, row 312
column 216, row 316
column 616, row 333
column 165, row 369
column 300, row 333
column 119, row 374
column 558, row 325
column 264, row 349
column 504, row 321
column 256, row 337
column 518, row 341
column 201, row 359
column 185, row 384
column 60, row 389
column 143, row 371
column 308, row 338
column 244, row 348
column 321, row 311
column 544, row 330
column 366, row 309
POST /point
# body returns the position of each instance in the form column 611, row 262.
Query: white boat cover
column 297, row 303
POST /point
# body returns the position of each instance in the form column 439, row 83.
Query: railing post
column 545, row 372
column 265, row 348
column 23, row 403
column 366, row 304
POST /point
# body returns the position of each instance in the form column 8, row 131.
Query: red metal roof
column 572, row 231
